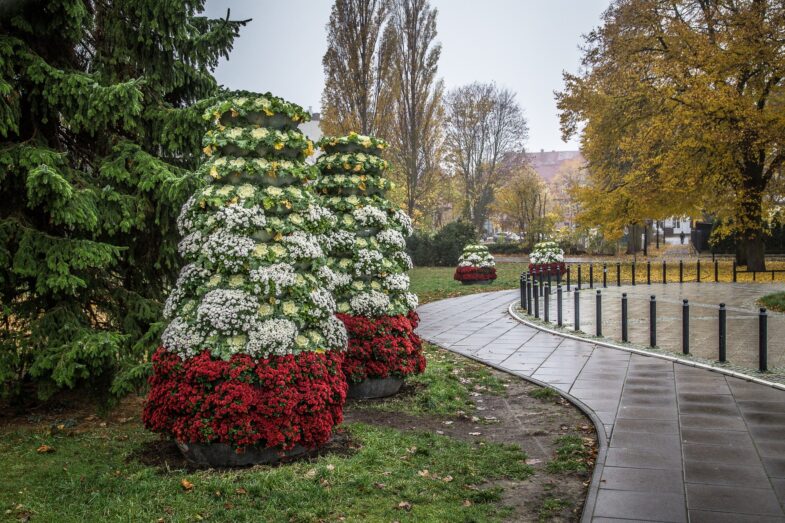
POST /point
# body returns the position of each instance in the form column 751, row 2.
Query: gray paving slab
column 678, row 443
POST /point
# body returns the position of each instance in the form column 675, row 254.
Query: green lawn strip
column 444, row 388
column 544, row 393
column 774, row 301
column 572, row 455
column 393, row 476
column 437, row 283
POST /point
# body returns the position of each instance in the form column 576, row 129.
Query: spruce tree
column 99, row 127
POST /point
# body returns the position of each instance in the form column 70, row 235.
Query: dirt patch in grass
column 520, row 415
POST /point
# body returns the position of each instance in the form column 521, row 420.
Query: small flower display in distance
column 476, row 265
column 547, row 257
column 252, row 355
column 368, row 264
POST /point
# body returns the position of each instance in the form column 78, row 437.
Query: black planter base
column 375, row 388
column 477, row 282
column 220, row 455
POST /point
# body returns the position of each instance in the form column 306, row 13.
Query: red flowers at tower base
column 280, row 401
column 382, row 347
column 475, row 273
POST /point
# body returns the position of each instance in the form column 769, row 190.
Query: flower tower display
column 547, row 258
column 250, row 363
column 476, row 265
column 367, row 254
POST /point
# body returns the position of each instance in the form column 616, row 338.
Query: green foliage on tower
column 100, row 126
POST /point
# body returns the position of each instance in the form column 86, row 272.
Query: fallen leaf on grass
column 467, row 503
column 447, row 479
column 241, row 491
column 330, row 467
column 45, row 449
column 447, row 422
column 405, row 505
column 475, row 434
column 440, row 432
column 533, row 461
column 311, row 474
column 380, row 486
column 187, row 485
column 424, row 473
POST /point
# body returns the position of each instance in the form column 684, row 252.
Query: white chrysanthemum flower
column 230, row 249
column 368, row 262
column 274, row 336
column 181, row 338
column 189, row 275
column 404, row 221
column 185, row 222
column 391, row 238
column 315, row 214
column 237, row 218
column 370, row 304
column 273, row 277
column 334, row 241
column 191, row 244
column 396, row 282
column 324, row 304
column 369, row 216
column 303, row 246
column 334, row 332
column 229, row 312
column 403, row 259
column 412, row 301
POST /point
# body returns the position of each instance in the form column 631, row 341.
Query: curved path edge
column 609, row 344
column 677, row 440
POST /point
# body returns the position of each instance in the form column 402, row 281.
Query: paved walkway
column 704, row 299
column 681, row 443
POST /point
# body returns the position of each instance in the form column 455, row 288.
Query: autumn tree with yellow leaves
column 681, row 105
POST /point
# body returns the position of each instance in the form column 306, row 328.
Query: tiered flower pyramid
column 252, row 353
column 475, row 265
column 366, row 251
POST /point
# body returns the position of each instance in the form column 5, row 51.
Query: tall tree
column 98, row 133
column 682, row 106
column 483, row 124
column 524, row 202
column 416, row 132
column 357, row 96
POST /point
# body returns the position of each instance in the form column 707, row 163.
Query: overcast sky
column 523, row 45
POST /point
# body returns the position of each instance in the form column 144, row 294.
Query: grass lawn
column 774, row 301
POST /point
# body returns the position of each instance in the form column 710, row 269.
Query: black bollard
column 722, row 333
column 633, row 274
column 685, row 326
column 598, row 314
column 648, row 272
column 653, row 321
column 529, row 292
column 577, row 310
column 717, row 271
column 698, row 269
column 763, row 334
column 604, row 275
column 681, row 271
column 624, row 334
column 618, row 274
column 523, row 291
column 547, row 305
column 536, row 300
column 568, row 278
column 579, row 278
column 664, row 273
column 591, row 275
column 559, row 321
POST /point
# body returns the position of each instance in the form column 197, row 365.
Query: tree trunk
column 755, row 250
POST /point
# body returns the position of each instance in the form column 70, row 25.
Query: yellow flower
column 268, row 112
column 208, row 150
column 358, row 168
column 278, row 146
column 265, row 309
column 366, row 142
column 289, row 308
column 260, row 250
column 309, row 148
column 259, row 133
column 214, row 172
column 319, row 351
column 234, row 113
column 287, row 204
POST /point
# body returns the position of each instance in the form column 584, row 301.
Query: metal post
column 577, row 308
column 523, row 291
column 618, row 274
column 591, row 275
column 633, row 274
column 568, row 278
column 716, row 271
column 579, row 277
column 529, row 292
column 685, row 326
column 734, row 271
column 549, row 278
column 763, row 334
column 653, row 321
column 664, row 272
column 723, row 333
column 624, row 334
column 558, row 276
column 542, row 287
column 681, row 271
column 536, row 300
column 547, row 305
column 559, row 320
column 604, row 275
column 699, row 270
column 648, row 272
column 598, row 314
